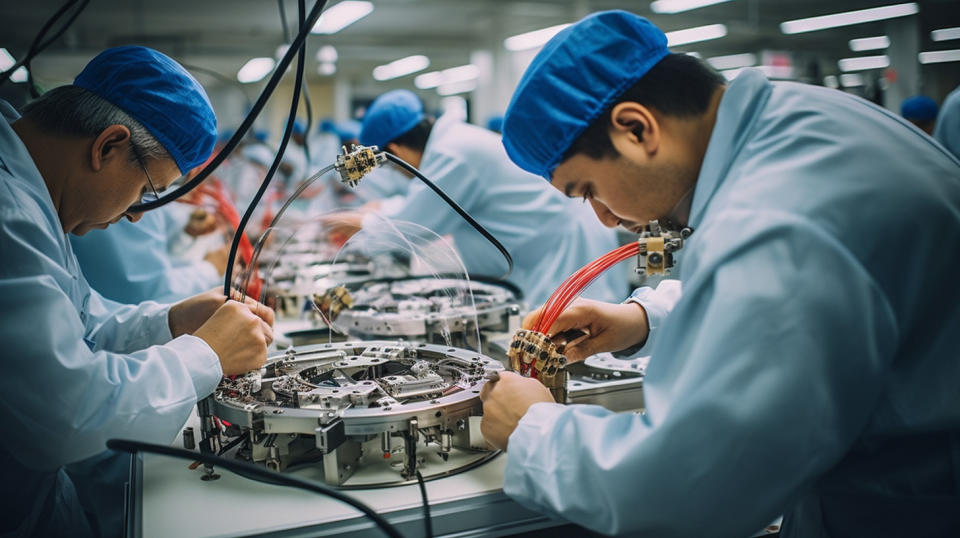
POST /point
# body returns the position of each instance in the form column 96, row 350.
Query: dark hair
column 416, row 138
column 76, row 111
column 679, row 85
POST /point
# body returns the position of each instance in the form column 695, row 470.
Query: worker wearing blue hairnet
column 947, row 131
column 548, row 236
column 88, row 369
column 130, row 262
column 921, row 111
column 806, row 364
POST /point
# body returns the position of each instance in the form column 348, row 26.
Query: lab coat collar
column 19, row 163
column 740, row 108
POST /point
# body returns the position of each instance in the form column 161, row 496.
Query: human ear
column 110, row 144
column 636, row 125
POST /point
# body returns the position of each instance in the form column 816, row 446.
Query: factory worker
column 548, row 236
column 808, row 365
column 948, row 126
column 921, row 111
column 83, row 369
column 130, row 262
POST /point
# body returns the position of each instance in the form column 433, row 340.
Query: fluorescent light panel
column 255, row 69
column 733, row 61
column 864, row 62
column 831, row 81
column 939, row 56
column 326, row 68
column 850, row 80
column 327, row 53
column 869, row 43
column 945, row 34
column 679, row 6
column 848, row 18
column 340, row 16
column 401, row 67
column 453, row 75
column 532, row 39
column 696, row 34
column 454, row 88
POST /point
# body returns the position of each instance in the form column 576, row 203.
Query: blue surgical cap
column 299, row 127
column 327, row 126
column 575, row 78
column 157, row 92
column 495, row 123
column 391, row 115
column 920, row 108
column 348, row 130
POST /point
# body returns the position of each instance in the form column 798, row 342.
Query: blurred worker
column 809, row 366
column 130, row 262
column 921, row 111
column 948, row 126
column 548, row 236
column 84, row 369
column 495, row 124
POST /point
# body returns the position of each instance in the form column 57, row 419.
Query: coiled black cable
column 456, row 207
column 39, row 44
column 247, row 469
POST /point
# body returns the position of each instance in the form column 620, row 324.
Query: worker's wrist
column 642, row 322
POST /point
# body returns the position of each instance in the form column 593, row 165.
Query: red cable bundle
column 575, row 283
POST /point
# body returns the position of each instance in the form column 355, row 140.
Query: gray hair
column 75, row 111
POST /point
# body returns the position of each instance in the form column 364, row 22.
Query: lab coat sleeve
column 764, row 374
column 947, row 130
column 123, row 328
column 62, row 400
column 424, row 207
column 657, row 303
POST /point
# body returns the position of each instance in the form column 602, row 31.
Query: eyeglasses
column 147, row 197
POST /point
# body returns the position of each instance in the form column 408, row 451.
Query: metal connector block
column 357, row 162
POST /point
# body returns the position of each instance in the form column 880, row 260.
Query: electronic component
column 331, row 302
column 532, row 354
column 357, row 162
column 656, row 247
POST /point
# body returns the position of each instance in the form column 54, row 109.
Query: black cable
column 427, row 522
column 38, row 44
column 241, row 131
column 247, row 469
column 456, row 207
column 306, row 90
column 295, row 102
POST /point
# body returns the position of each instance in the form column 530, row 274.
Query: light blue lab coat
column 548, row 235
column 129, row 262
column 810, row 366
column 947, row 131
column 80, row 369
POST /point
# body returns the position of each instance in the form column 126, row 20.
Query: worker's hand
column 505, row 402
column 188, row 315
column 201, row 222
column 610, row 327
column 342, row 226
column 218, row 258
column 238, row 337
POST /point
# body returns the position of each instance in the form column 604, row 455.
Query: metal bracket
column 357, row 162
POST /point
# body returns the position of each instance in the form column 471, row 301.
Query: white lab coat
column 809, row 367
column 80, row 369
column 548, row 235
column 947, row 130
column 129, row 262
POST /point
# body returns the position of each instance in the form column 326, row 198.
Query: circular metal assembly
column 357, row 411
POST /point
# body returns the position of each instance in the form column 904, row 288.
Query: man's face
column 627, row 190
column 120, row 184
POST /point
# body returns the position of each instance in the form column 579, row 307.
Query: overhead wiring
column 261, row 473
column 39, row 43
column 306, row 90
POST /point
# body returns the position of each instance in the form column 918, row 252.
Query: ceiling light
column 281, row 50
column 869, row 43
column 453, row 75
column 939, row 56
column 831, row 81
column 326, row 68
column 532, row 39
column 677, row 6
column 945, row 34
column 454, row 88
column 255, row 69
column 849, row 17
column 695, row 35
column 342, row 15
column 6, row 60
column 327, row 53
column 733, row 61
column 850, row 80
column 864, row 62
column 401, row 67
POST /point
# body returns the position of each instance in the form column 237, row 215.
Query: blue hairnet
column 919, row 107
column 327, row 126
column 495, row 123
column 574, row 79
column 157, row 92
column 260, row 135
column 348, row 130
column 299, row 127
column 391, row 115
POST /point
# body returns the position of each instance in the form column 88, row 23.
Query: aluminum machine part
column 361, row 414
column 432, row 310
